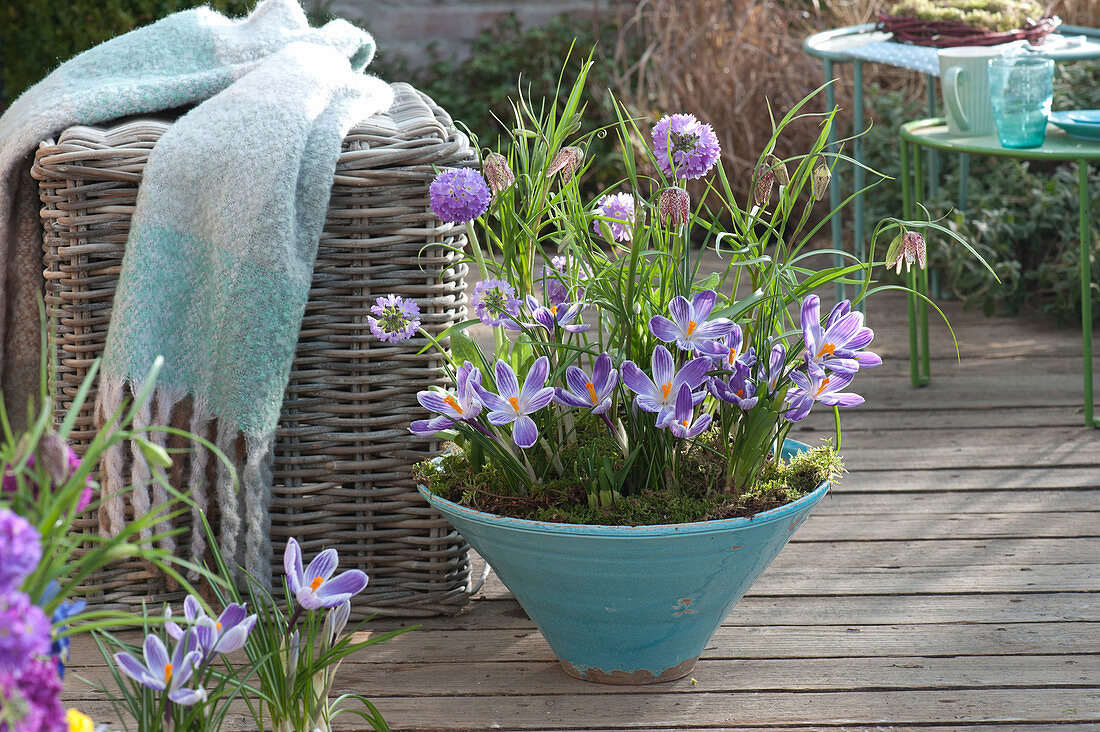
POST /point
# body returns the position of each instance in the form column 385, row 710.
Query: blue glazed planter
column 629, row 605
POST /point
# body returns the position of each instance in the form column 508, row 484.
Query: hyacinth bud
column 820, row 181
column 55, row 455
column 765, row 181
column 567, row 161
column 497, row 172
column 782, row 177
column 674, row 206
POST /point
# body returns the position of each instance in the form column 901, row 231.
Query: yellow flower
column 79, row 722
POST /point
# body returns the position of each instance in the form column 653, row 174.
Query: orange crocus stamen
column 317, row 582
column 591, row 391
column 692, row 325
column 741, row 393
column 733, row 356
column 824, row 383
column 554, row 309
column 828, row 348
column 453, row 404
column 684, row 422
column 218, row 624
column 666, row 389
column 514, row 402
column 167, row 672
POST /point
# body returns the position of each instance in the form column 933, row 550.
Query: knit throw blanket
column 224, row 233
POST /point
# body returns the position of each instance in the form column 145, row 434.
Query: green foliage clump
column 1022, row 217
column 991, row 15
column 478, row 91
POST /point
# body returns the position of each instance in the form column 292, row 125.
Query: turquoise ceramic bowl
column 629, row 605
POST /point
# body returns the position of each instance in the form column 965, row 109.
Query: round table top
column 933, row 133
column 1070, row 43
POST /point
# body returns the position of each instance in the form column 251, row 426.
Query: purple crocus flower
column 24, row 631
column 225, row 634
column 554, row 316
column 495, row 302
column 773, row 371
column 617, row 211
column 659, row 394
column 459, row 195
column 161, row 673
column 837, row 346
column 738, row 388
column 689, row 326
column 513, row 404
column 397, row 318
column 729, row 351
column 586, row 393
column 817, row 385
column 461, row 406
column 312, row 588
column 685, row 147
column 683, row 423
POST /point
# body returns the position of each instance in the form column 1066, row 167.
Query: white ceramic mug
column 964, row 78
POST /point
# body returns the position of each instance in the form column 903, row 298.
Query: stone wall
column 406, row 27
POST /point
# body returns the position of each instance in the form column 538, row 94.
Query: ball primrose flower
column 394, row 318
column 616, row 212
column 459, row 195
column 685, row 147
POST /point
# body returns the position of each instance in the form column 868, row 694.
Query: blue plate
column 1077, row 123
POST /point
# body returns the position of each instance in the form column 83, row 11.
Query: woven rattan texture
column 343, row 455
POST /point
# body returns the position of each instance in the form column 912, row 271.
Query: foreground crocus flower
column 585, row 393
column 461, row 406
column 685, row 147
column 659, row 394
column 683, row 423
column 729, row 351
column 459, row 195
column 161, row 673
column 313, row 588
column 225, row 634
column 818, row 385
column 738, row 388
column 513, row 404
column 772, row 372
column 839, row 345
column 689, row 326
column 551, row 317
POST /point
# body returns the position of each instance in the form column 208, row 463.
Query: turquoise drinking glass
column 1021, row 89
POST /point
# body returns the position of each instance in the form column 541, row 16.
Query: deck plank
column 951, row 580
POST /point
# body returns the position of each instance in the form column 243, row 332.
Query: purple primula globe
column 24, row 631
column 619, row 208
column 313, row 588
column 36, row 691
column 494, row 302
column 818, row 385
column 461, row 406
column 684, row 424
column 395, row 318
column 20, row 549
column 839, row 345
column 689, row 326
column 459, row 195
column 685, row 147
column 659, row 394
column 513, row 404
column 161, row 672
column 589, row 393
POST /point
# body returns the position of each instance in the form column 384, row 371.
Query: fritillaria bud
column 782, row 177
column 497, row 172
column 907, row 248
column 674, row 206
column 567, row 161
column 820, row 180
column 54, row 453
column 765, row 181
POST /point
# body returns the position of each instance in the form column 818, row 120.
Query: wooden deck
column 952, row 580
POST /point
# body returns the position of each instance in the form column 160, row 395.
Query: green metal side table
column 933, row 135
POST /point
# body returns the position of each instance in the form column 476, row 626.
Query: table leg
column 1086, row 286
column 834, row 186
column 917, row 279
column 858, row 174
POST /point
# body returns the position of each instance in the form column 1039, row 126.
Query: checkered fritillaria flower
column 498, row 172
column 674, row 206
column 907, row 248
column 567, row 161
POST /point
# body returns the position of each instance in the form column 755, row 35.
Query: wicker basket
column 948, row 34
column 343, row 454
